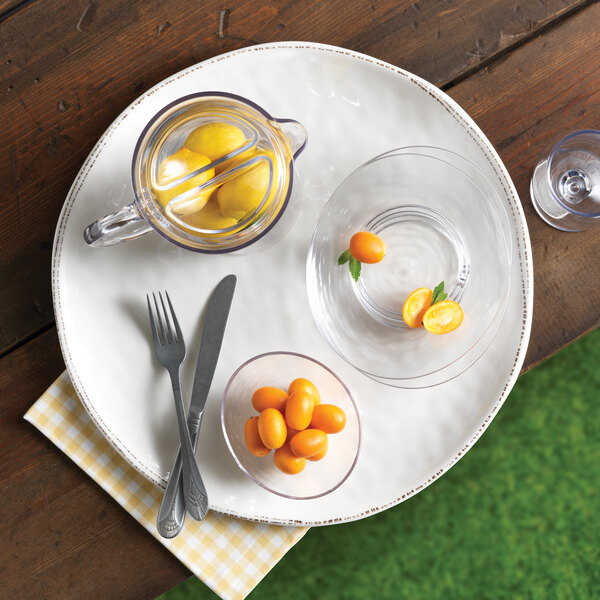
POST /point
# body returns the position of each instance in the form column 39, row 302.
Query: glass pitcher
column 211, row 172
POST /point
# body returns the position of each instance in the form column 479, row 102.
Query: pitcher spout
column 295, row 134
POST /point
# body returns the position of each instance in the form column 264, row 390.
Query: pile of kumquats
column 294, row 424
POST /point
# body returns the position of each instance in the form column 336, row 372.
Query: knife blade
column 210, row 345
column 171, row 514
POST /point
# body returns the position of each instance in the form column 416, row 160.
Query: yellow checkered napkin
column 230, row 555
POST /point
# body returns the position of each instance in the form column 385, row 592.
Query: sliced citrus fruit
column 415, row 306
column 443, row 317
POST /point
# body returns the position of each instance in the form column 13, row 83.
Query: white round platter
column 354, row 107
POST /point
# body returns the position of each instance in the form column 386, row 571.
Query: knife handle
column 171, row 514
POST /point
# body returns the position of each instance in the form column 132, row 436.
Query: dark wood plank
column 88, row 60
column 10, row 7
column 65, row 537
column 61, row 535
column 525, row 104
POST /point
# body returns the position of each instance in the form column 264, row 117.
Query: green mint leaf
column 344, row 257
column 354, row 266
column 438, row 293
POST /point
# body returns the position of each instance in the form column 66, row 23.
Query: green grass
column 517, row 517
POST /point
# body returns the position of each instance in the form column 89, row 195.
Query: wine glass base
column 423, row 248
column 546, row 205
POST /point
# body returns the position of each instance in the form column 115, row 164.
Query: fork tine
column 175, row 321
column 167, row 320
column 152, row 324
column 160, row 322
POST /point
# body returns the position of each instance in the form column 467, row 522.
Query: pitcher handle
column 124, row 224
column 295, row 133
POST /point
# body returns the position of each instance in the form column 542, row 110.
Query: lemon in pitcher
column 215, row 140
column 243, row 194
column 209, row 217
column 177, row 165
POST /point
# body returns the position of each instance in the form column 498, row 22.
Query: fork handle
column 171, row 514
column 194, row 491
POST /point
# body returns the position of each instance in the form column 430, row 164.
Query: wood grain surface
column 525, row 103
column 528, row 71
column 61, row 535
column 89, row 60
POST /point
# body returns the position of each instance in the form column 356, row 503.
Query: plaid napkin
column 230, row 555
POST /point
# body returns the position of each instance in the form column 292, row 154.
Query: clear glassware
column 280, row 369
column 565, row 187
column 279, row 141
column 441, row 220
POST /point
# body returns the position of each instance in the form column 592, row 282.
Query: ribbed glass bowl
column 279, row 369
column 441, row 220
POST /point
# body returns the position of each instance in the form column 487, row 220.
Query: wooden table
column 528, row 71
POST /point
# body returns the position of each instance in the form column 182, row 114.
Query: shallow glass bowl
column 441, row 220
column 279, row 369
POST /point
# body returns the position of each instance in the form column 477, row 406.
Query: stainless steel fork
column 170, row 351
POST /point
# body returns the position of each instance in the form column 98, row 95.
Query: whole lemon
column 209, row 217
column 244, row 193
column 215, row 139
column 177, row 165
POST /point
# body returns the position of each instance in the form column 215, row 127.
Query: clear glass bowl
column 441, row 220
column 279, row 369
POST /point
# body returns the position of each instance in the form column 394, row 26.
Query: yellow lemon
column 243, row 194
column 233, row 162
column 209, row 217
column 215, row 139
column 177, row 165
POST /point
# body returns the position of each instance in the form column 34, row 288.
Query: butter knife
column 171, row 514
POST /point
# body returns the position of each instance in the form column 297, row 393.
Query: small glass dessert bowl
column 279, row 369
column 441, row 220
